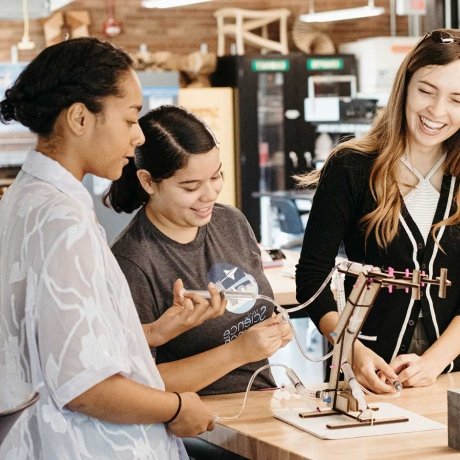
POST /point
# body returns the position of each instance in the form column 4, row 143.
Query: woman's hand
column 414, row 370
column 371, row 370
column 263, row 339
column 194, row 417
column 286, row 331
column 120, row 400
column 186, row 313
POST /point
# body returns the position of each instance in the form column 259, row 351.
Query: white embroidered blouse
column 67, row 322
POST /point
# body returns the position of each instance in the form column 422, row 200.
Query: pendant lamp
column 343, row 14
column 26, row 43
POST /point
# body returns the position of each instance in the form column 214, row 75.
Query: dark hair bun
column 84, row 70
column 7, row 112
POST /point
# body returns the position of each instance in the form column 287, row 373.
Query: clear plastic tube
column 284, row 311
column 251, row 295
column 231, row 295
column 248, row 388
column 297, row 386
column 355, row 387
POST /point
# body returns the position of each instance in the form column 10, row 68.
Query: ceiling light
column 26, row 43
column 342, row 15
column 169, row 3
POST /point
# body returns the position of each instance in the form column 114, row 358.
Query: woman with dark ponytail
column 182, row 232
column 127, row 194
column 68, row 325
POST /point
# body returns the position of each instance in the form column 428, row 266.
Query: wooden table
column 257, row 435
column 282, row 279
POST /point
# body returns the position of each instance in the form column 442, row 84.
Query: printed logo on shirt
column 230, row 278
column 258, row 315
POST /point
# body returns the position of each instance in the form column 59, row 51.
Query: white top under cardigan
column 422, row 200
column 67, row 322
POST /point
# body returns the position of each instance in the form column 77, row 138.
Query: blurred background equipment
column 36, row 8
column 111, row 26
column 311, row 41
column 241, row 25
column 274, row 137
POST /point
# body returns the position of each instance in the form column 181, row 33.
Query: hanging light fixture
column 341, row 15
column 169, row 3
column 26, row 43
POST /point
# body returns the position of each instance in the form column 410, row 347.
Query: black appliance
column 274, row 142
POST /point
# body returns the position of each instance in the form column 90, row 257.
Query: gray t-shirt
column 225, row 252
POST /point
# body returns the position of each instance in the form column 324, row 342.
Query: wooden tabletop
column 257, row 435
column 282, row 279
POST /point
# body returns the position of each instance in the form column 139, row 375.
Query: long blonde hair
column 387, row 140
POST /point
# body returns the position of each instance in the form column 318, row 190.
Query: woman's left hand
column 185, row 313
column 286, row 329
column 414, row 370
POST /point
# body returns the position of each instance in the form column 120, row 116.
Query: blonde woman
column 391, row 198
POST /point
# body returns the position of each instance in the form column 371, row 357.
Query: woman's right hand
column 371, row 370
column 263, row 339
column 194, row 417
column 185, row 313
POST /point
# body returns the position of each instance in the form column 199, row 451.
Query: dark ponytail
column 6, row 111
column 172, row 134
column 126, row 194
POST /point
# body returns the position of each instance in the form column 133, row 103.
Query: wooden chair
column 8, row 418
column 243, row 22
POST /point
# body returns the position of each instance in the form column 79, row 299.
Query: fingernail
column 211, row 285
column 181, row 293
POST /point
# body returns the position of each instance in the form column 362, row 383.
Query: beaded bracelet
column 178, row 409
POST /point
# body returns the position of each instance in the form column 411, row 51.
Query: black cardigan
column 342, row 198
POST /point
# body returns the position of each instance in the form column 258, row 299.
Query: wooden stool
column 247, row 20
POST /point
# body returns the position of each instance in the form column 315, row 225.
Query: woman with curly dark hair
column 68, row 325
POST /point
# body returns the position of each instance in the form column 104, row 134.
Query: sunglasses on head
column 441, row 37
